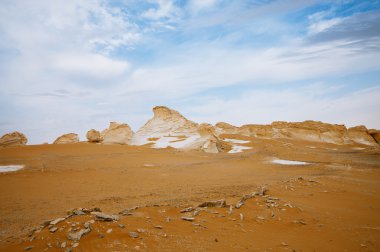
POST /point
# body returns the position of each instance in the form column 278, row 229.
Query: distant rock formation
column 226, row 128
column 67, row 139
column 93, row 136
column 117, row 133
column 165, row 122
column 314, row 131
column 13, row 139
column 359, row 134
column 168, row 128
column 208, row 141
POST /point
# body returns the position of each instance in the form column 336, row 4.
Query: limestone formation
column 166, row 122
column 13, row 139
column 226, row 128
column 93, row 136
column 375, row 134
column 67, row 139
column 117, row 133
column 359, row 134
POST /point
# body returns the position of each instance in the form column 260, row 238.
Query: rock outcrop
column 313, row 131
column 226, row 128
column 13, row 139
column 208, row 141
column 375, row 134
column 67, row 139
column 93, row 136
column 359, row 134
column 117, row 133
column 165, row 122
column 168, row 128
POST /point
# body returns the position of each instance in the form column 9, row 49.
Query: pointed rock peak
column 166, row 113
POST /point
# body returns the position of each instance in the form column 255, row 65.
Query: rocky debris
column 230, row 210
column 13, row 139
column 185, row 218
column 121, row 225
column 67, row 139
column 128, row 211
column 133, row 235
column 217, row 203
column 188, row 209
column 260, row 218
column 117, row 133
column 262, row 191
column 99, row 216
column 83, row 211
column 93, row 136
column 244, row 198
column 241, row 217
column 87, row 224
column 63, row 245
column 28, row 248
column 56, row 221
column 158, row 227
column 300, row 221
column 141, row 230
column 239, row 204
column 53, row 229
column 109, row 231
column 78, row 235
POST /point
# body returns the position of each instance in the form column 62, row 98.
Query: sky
column 73, row 65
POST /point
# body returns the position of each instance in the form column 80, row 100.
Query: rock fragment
column 217, row 203
column 105, row 217
column 53, row 229
column 56, row 221
column 187, row 218
column 188, row 209
column 78, row 235
column 133, row 235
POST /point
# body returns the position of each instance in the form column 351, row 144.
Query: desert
column 190, row 125
column 277, row 193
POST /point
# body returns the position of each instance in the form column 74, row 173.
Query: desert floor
column 332, row 204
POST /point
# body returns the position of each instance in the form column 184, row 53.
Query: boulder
column 360, row 134
column 93, row 136
column 13, row 139
column 67, row 139
column 375, row 134
column 117, row 133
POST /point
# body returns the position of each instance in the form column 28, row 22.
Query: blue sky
column 69, row 66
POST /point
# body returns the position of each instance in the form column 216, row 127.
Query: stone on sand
column 67, row 139
column 13, row 139
column 93, row 136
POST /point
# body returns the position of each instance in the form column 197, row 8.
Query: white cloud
column 165, row 9
column 297, row 104
column 323, row 25
column 89, row 65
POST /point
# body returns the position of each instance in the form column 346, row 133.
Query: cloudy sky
column 72, row 65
